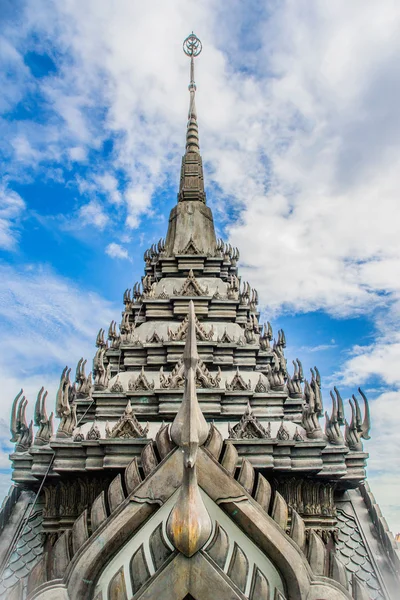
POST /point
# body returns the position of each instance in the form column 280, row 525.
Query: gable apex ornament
column 189, row 525
column 191, row 287
column 249, row 427
column 128, row 426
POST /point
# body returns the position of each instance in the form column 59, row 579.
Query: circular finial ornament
column 192, row 45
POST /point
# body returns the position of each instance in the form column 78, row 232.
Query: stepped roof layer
column 261, row 416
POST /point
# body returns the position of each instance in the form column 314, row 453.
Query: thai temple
column 193, row 462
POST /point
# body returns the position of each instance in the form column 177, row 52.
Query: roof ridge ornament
column 189, row 524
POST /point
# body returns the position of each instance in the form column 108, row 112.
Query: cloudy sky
column 300, row 135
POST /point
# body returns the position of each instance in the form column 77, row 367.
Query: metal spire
column 192, row 47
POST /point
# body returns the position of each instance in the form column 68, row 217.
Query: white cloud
column 116, row 251
column 11, row 210
column 41, row 310
column 93, row 214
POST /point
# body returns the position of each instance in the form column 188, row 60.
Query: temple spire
column 191, row 222
column 192, row 183
column 192, row 48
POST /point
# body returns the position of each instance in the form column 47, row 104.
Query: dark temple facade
column 192, row 462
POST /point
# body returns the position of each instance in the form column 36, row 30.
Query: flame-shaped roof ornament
column 189, row 525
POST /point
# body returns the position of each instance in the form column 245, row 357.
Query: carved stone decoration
column 266, row 337
column 259, row 585
column 219, row 546
column 238, row 384
column 283, row 433
column 159, row 548
column 297, row 437
column 201, row 333
column 117, row 387
column 217, row 295
column 139, row 570
column 261, row 386
column 163, row 294
column 117, row 587
column 311, row 414
column 276, row 371
column 332, row 427
column 21, row 433
column 42, row 421
column 141, row 383
column 226, row 338
column 79, row 437
column 308, row 497
column 358, row 428
column 176, row 380
column 84, row 384
column 114, row 338
column 239, row 568
column 191, row 287
column 316, row 387
column 294, row 382
column 101, row 372
column 154, row 339
column 249, row 427
column 128, row 426
column 94, row 433
column 190, row 248
column 189, row 525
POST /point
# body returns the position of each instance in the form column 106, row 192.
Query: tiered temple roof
column 256, row 432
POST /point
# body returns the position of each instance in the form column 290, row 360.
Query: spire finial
column 192, row 47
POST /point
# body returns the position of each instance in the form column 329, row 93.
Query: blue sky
column 299, row 131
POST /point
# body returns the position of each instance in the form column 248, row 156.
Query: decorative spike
column 189, row 525
column 298, row 530
column 189, row 429
column 230, row 458
column 340, row 407
column 247, row 475
column 38, row 406
column 358, row 421
column 14, row 425
column 316, row 553
column 366, row 424
column 280, row 511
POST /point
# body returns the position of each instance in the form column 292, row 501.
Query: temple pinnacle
column 192, row 47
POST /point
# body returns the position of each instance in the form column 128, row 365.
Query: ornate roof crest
column 128, row 426
column 181, row 332
column 249, row 427
column 203, row 377
column 238, row 383
column 191, row 287
column 141, row 383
